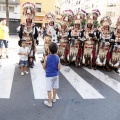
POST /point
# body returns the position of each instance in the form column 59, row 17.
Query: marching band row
column 89, row 43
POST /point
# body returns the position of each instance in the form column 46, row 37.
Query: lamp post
column 7, row 13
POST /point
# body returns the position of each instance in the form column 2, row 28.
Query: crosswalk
column 38, row 80
column 82, row 87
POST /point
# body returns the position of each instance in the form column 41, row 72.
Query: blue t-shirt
column 52, row 66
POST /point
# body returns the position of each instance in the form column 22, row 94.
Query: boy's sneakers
column 22, row 73
column 54, row 100
column 26, row 72
column 47, row 103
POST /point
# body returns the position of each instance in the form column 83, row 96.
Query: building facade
column 106, row 7
column 42, row 7
column 14, row 14
column 74, row 5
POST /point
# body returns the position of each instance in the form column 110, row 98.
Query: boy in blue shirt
column 52, row 66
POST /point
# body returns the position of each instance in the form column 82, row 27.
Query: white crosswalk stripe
column 6, row 75
column 6, row 79
column 82, row 87
column 105, row 79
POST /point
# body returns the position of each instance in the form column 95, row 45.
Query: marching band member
column 96, row 35
column 28, row 31
column 50, row 17
column 63, row 50
column 115, row 57
column 103, row 56
column 88, row 43
column 51, row 35
column 75, row 52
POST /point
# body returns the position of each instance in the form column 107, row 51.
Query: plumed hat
column 50, row 16
column 28, row 9
column 105, row 21
column 67, row 16
column 96, row 11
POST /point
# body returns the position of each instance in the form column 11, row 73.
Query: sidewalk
column 13, row 51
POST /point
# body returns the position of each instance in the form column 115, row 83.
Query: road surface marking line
column 115, row 85
column 6, row 79
column 81, row 86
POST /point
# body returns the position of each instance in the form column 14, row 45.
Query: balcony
column 40, row 14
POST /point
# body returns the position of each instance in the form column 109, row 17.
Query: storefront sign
column 14, row 20
column 38, row 19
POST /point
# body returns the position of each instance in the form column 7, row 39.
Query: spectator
column 44, row 32
column 4, row 37
column 52, row 66
column 23, row 52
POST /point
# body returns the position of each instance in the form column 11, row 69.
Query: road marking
column 6, row 77
column 39, row 81
column 6, row 74
column 82, row 87
column 115, row 85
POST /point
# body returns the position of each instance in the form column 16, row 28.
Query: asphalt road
column 83, row 94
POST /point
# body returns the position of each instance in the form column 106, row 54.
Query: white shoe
column 22, row 73
column 54, row 100
column 47, row 104
column 26, row 72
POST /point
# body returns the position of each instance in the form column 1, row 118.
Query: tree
column 7, row 13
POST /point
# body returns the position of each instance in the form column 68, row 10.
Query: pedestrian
column 23, row 52
column 40, row 31
column 4, row 37
column 44, row 32
column 52, row 66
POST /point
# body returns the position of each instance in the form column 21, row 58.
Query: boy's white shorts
column 52, row 82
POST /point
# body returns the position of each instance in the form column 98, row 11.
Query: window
column 86, row 7
column 0, row 8
column 11, row 9
column 4, row 8
column 111, row 3
column 77, row 3
column 57, row 10
column 38, row 7
column 110, row 13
